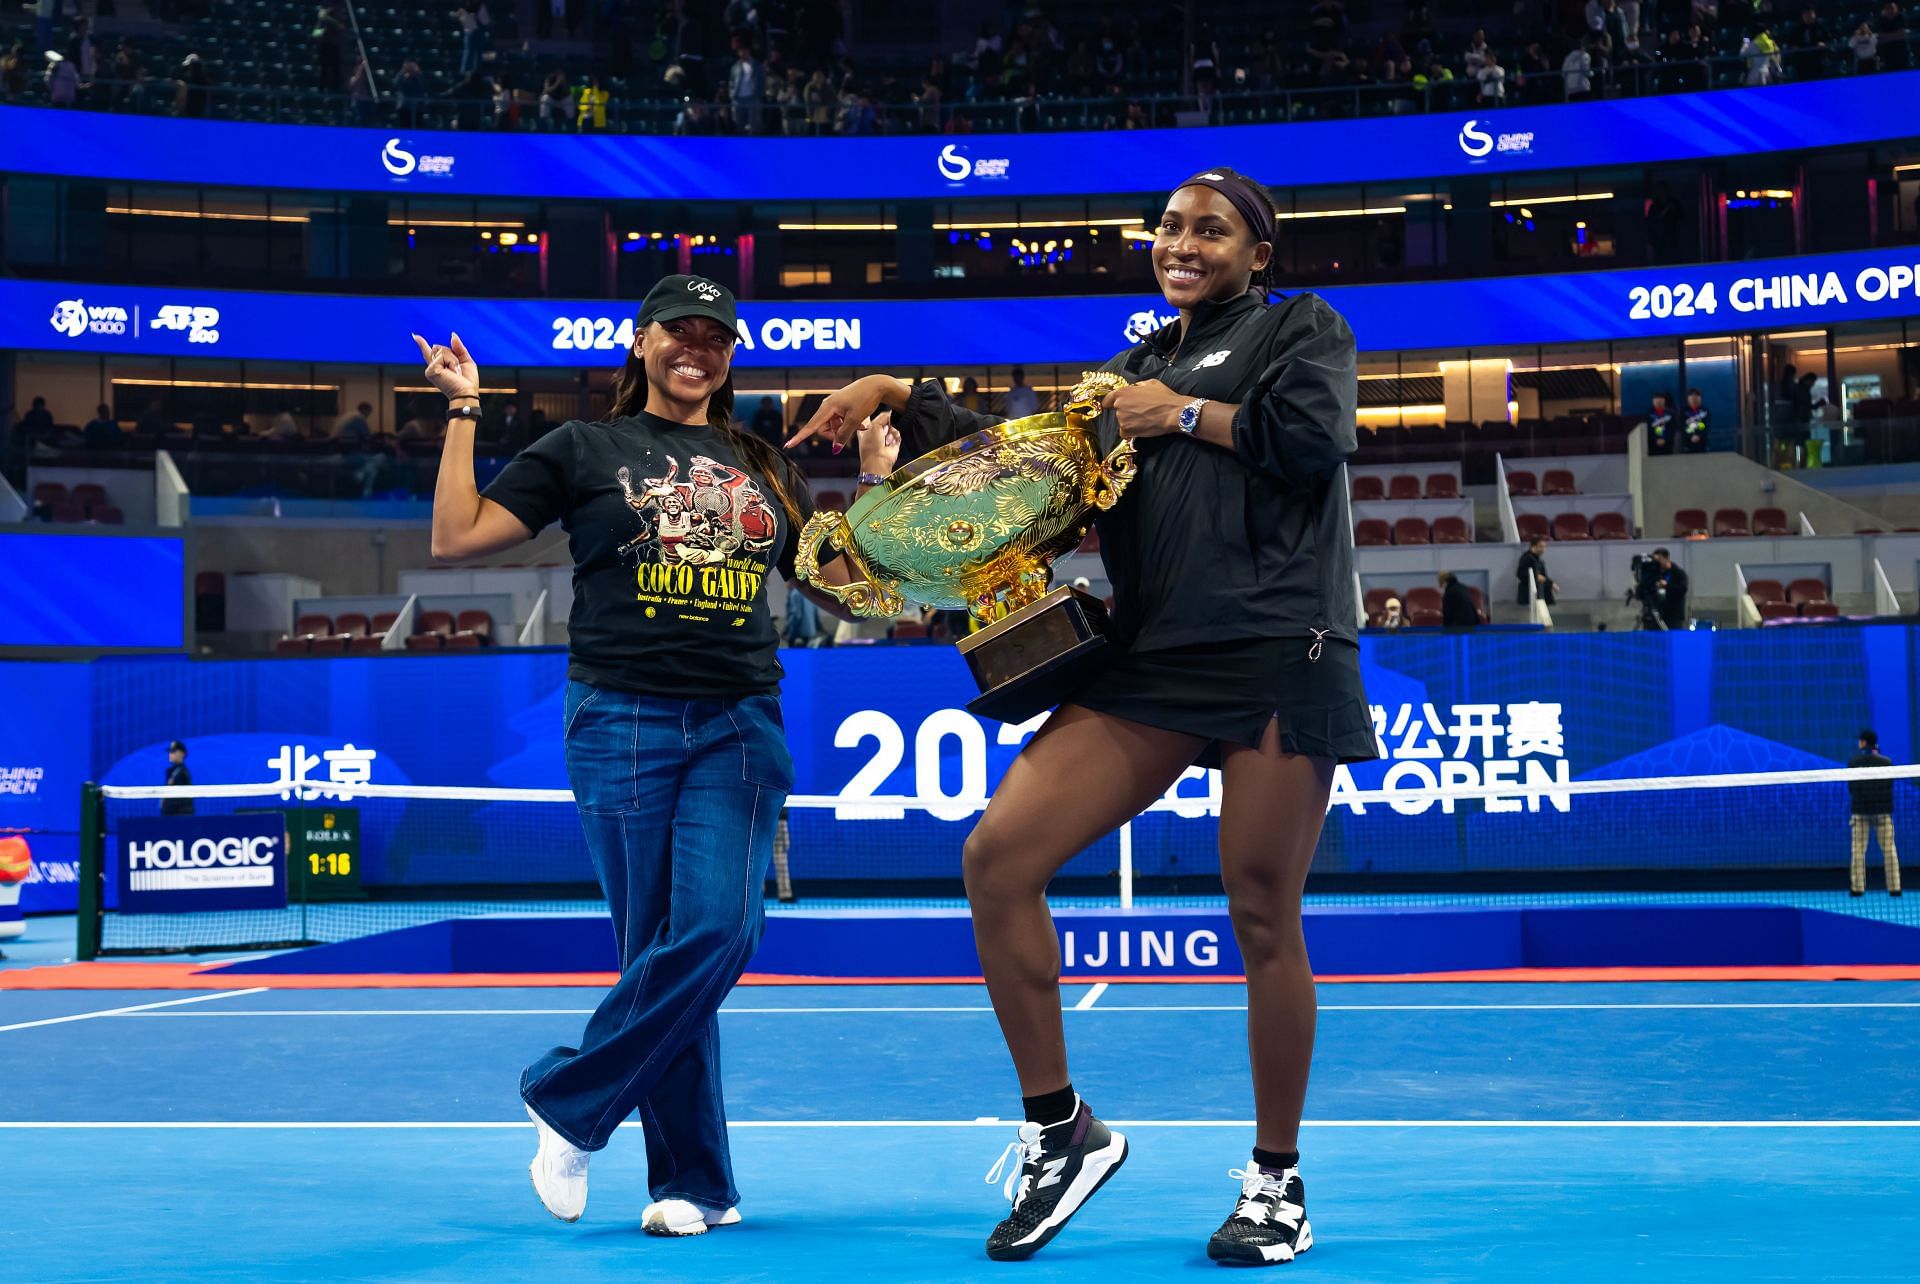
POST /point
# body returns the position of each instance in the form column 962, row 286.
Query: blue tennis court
column 1456, row 1131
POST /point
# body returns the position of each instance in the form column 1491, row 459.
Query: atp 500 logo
column 200, row 323
column 401, row 163
column 73, row 318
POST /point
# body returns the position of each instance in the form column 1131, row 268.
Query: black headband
column 1248, row 203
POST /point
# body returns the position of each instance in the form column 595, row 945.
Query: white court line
column 1091, row 997
column 1084, row 1005
column 130, row 1011
column 416, row 1125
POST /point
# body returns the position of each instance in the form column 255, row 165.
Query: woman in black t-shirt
column 675, row 747
column 1235, row 621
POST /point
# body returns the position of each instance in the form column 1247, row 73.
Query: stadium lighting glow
column 227, row 216
column 230, row 383
column 970, row 225
column 411, row 223
column 1353, row 213
column 1567, row 199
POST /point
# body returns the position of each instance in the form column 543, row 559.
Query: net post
column 91, row 899
column 1126, row 865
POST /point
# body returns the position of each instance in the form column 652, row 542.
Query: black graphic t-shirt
column 673, row 537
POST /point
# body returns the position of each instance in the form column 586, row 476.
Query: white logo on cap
column 707, row 290
column 1215, row 177
column 397, row 159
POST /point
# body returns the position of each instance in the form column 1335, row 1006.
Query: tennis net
column 364, row 859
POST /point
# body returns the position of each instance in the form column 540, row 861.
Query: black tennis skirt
column 1226, row 693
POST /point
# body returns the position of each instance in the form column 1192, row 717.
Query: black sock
column 1050, row 1107
column 1276, row 1161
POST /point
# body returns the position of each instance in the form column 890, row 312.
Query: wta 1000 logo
column 73, row 318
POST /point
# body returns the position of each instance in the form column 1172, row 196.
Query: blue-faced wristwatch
column 1190, row 416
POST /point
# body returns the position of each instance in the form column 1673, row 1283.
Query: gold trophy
column 975, row 525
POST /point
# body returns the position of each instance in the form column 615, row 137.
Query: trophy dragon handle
column 1107, row 479
column 865, row 595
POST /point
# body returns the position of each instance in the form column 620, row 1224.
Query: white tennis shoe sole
column 677, row 1217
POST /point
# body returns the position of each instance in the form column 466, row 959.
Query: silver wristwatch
column 1190, row 416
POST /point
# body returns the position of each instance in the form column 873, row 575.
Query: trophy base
column 1030, row 661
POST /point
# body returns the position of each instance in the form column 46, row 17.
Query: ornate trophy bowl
column 975, row 526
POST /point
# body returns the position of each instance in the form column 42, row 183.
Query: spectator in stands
column 1493, row 81
column 37, row 423
column 1891, row 27
column 153, row 422
column 473, row 23
column 1809, row 39
column 328, row 32
column 13, row 71
column 1576, row 71
column 1866, row 49
column 410, row 92
column 284, row 427
column 592, row 113
column 1660, row 426
column 177, row 774
column 354, row 429
column 1392, row 617
column 1693, row 428
column 1532, row 574
column 1670, row 590
column 360, row 93
column 63, row 80
column 102, row 432
column 513, row 428
column 1762, row 53
column 1871, row 804
column 1021, row 400
column 81, row 51
column 556, row 99
column 747, row 87
column 1457, row 610
column 192, row 87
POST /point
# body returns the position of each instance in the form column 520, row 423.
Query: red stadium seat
column 106, row 515
column 1730, row 522
column 1403, row 486
column 478, row 622
column 89, row 495
column 368, row 645
column 1423, row 598
column 426, row 642
column 1369, row 487
column 1807, row 590
column 384, row 620
column 1558, row 481
column 1425, row 619
column 1451, row 530
column 49, row 494
column 1522, row 482
column 463, row 641
column 1776, row 610
column 328, row 646
column 1770, row 521
column 1818, row 610
column 1411, row 530
column 351, row 624
column 1764, row 591
column 1532, row 526
column 291, row 646
column 1610, row 526
column 1689, row 521
column 1443, row 486
column 1570, row 526
column 440, row 622
column 68, row 513
column 1370, row 532
column 313, row 626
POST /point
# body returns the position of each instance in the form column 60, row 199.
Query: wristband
column 464, row 412
column 870, row 479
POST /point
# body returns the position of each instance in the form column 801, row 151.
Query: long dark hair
column 630, row 398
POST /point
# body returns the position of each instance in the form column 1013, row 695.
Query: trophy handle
column 1106, row 479
column 865, row 595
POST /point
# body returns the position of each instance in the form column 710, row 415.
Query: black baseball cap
column 688, row 296
column 176, row 744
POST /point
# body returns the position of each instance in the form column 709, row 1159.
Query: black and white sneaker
column 1270, row 1224
column 1059, row 1168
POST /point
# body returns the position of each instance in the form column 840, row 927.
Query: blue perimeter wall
column 892, row 720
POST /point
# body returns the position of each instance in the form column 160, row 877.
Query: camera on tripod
column 1649, row 590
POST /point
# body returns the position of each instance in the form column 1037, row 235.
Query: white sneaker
column 678, row 1217
column 559, row 1172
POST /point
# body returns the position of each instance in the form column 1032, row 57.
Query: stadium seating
column 1368, row 488
column 1818, row 610
column 1730, row 522
column 1423, row 598
column 1802, row 591
column 352, row 624
column 1610, row 526
column 1777, row 610
column 1689, row 521
column 1532, row 526
column 1411, row 530
column 1451, row 530
column 1522, row 482
column 1558, row 481
column 1443, row 486
column 313, row 626
column 1371, row 532
column 1770, row 521
column 1570, row 526
column 1764, row 592
column 1403, row 486
column 478, row 623
column 1375, row 599
column 435, row 622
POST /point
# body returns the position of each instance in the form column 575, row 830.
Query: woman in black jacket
column 1235, row 620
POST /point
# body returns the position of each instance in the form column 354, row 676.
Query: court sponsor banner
column 1714, row 298
column 425, row 164
column 184, row 864
column 45, row 755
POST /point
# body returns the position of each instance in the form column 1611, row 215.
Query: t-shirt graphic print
column 703, row 540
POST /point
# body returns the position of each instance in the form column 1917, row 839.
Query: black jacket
column 177, row 774
column 1871, row 797
column 1208, row 543
column 1457, row 610
column 1533, row 565
column 1673, row 608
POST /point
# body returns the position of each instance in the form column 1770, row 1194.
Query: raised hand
column 879, row 444
column 841, row 414
column 450, row 367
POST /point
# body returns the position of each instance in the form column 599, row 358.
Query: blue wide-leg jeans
column 680, row 801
